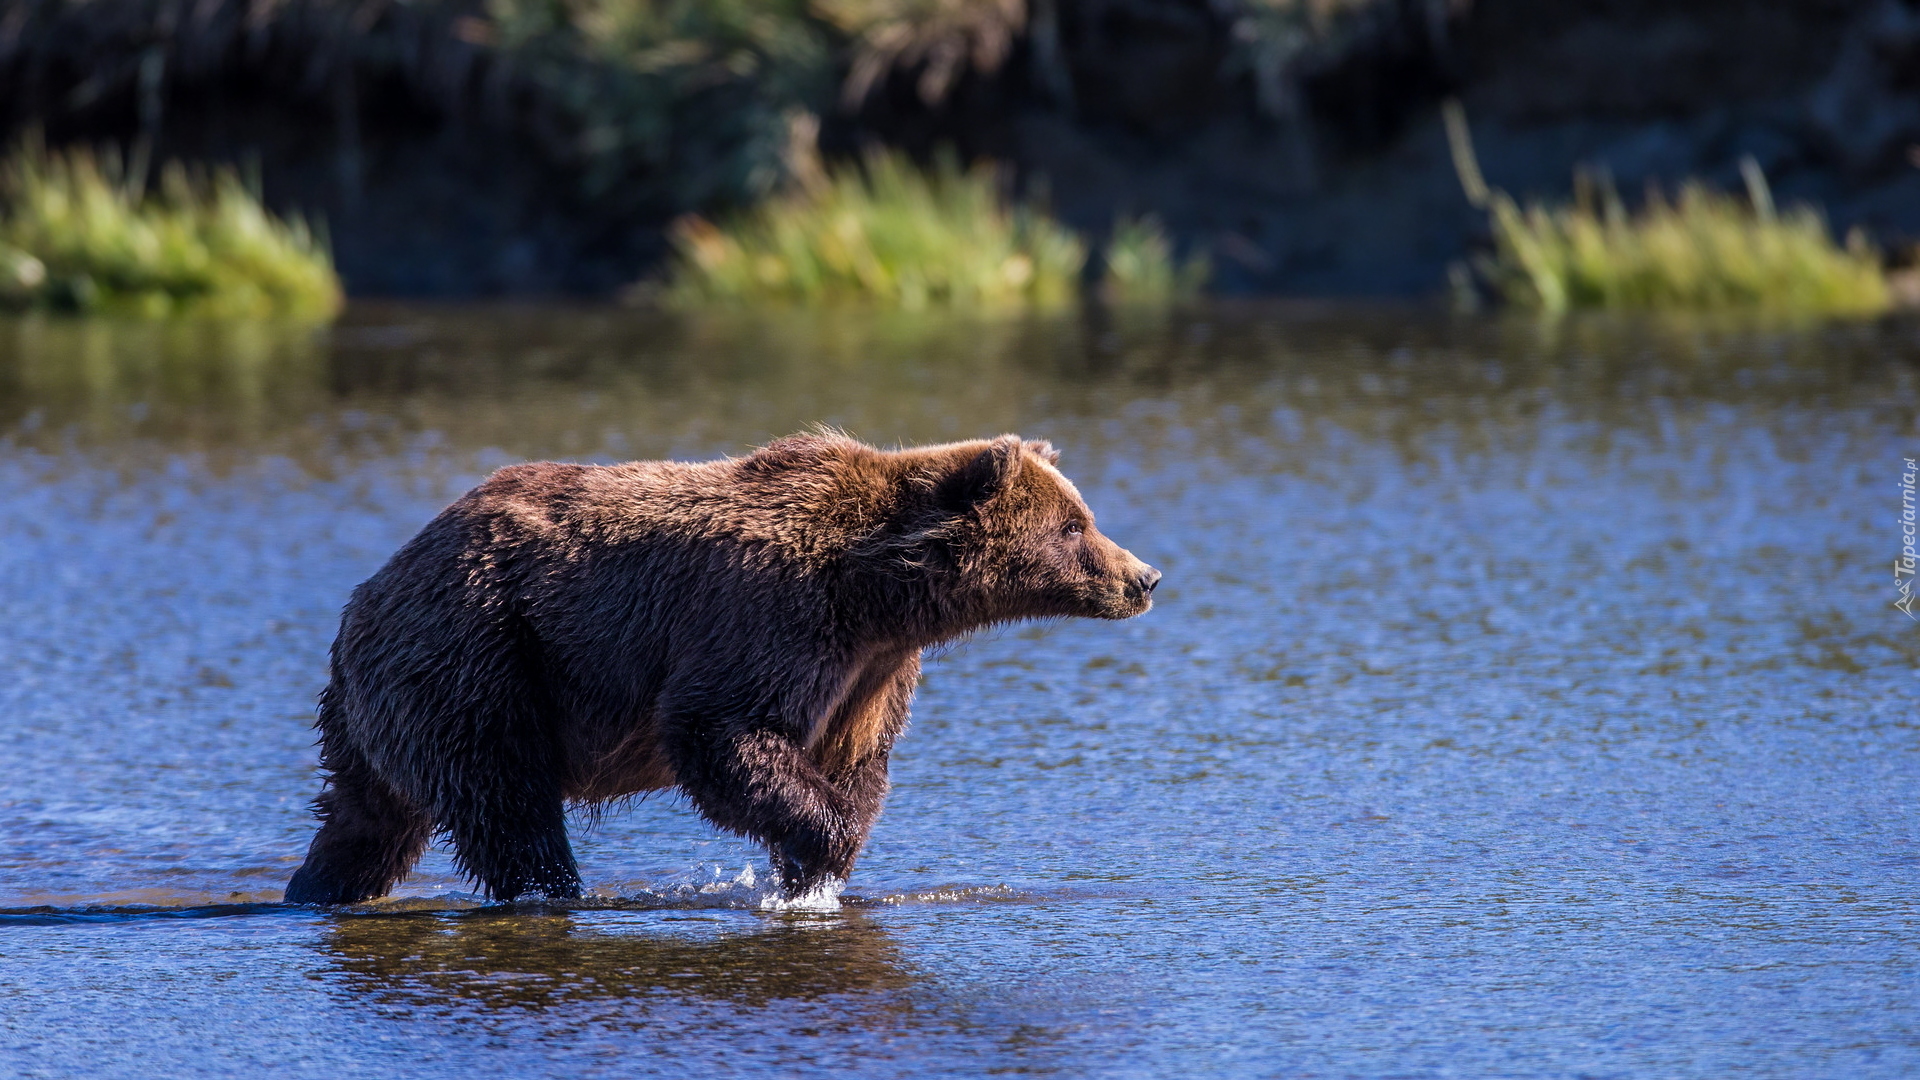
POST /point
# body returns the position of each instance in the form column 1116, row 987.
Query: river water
column 1522, row 700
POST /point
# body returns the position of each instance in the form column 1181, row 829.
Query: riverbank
column 455, row 149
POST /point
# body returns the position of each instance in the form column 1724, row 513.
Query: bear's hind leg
column 499, row 794
column 515, row 845
column 369, row 837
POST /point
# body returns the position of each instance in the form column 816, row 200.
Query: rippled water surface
column 1522, row 701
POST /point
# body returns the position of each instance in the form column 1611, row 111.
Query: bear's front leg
column 864, row 785
column 761, row 784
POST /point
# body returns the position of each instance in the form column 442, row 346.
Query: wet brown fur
column 747, row 630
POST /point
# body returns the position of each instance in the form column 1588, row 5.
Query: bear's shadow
column 504, row 962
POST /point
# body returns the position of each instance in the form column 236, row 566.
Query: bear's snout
column 1132, row 587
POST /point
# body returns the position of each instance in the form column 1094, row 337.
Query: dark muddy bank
column 448, row 161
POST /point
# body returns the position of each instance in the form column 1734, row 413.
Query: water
column 1521, row 701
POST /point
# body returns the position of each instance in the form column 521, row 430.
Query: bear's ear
column 1043, row 450
column 983, row 476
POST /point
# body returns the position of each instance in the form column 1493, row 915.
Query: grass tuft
column 1704, row 250
column 79, row 233
column 884, row 232
column 1141, row 267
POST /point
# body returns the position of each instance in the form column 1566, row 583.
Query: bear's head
column 1021, row 542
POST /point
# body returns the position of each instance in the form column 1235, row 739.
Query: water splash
column 712, row 885
column 824, row 897
column 952, row 894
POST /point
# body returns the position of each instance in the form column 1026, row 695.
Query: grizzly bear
column 747, row 630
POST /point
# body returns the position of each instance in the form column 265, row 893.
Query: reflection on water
column 590, row 383
column 489, row 961
column 1523, row 699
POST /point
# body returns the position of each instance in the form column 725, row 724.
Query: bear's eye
column 1073, row 528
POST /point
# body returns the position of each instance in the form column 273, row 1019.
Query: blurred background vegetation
column 956, row 151
column 84, row 234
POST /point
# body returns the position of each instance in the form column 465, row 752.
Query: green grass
column 1141, row 267
column 1703, row 250
column 884, row 232
column 78, row 233
column 888, row 233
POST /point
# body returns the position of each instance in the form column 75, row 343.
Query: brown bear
column 747, row 630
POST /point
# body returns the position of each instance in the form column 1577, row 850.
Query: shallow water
column 1521, row 701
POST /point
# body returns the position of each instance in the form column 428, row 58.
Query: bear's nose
column 1148, row 579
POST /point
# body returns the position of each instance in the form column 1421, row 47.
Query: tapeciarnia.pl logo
column 1904, row 565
